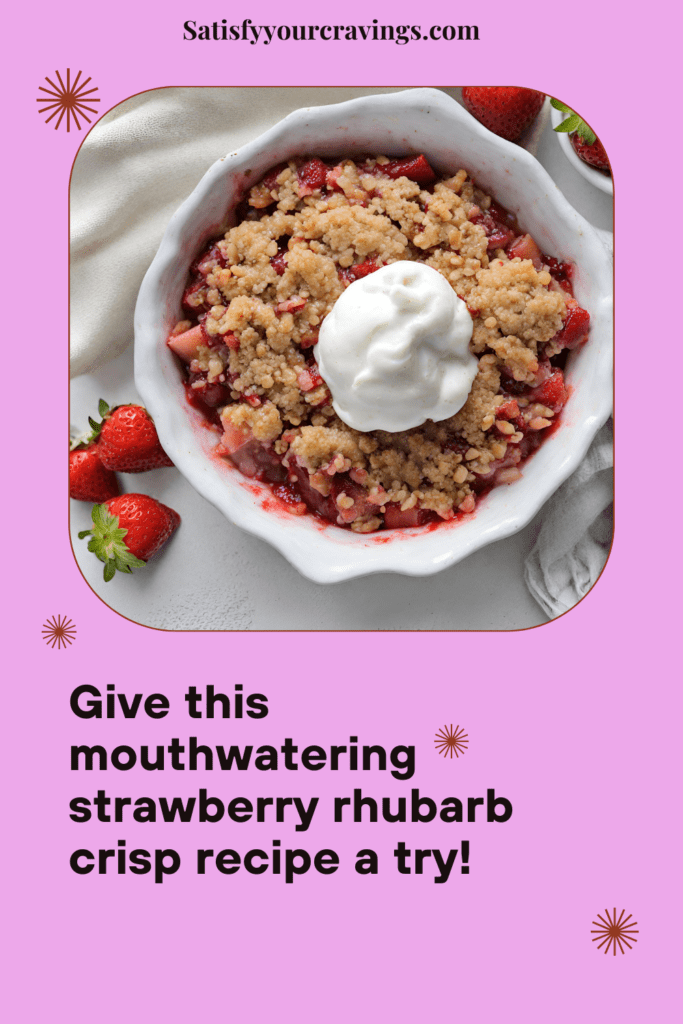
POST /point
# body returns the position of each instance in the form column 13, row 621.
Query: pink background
column 575, row 721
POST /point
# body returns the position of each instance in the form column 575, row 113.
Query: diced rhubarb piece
column 218, row 341
column 213, row 394
column 508, row 410
column 552, row 392
column 209, row 260
column 499, row 234
column 575, row 328
column 342, row 484
column 185, row 344
column 332, row 179
column 234, row 438
column 291, row 305
column 324, row 505
column 312, row 176
column 394, row 518
column 499, row 238
column 309, row 379
column 253, row 458
column 309, row 340
column 414, row 167
column 279, row 262
column 253, row 400
column 359, row 270
column 525, row 247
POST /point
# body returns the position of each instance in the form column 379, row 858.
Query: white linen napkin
column 576, row 532
column 133, row 171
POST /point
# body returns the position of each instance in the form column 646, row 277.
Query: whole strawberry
column 89, row 480
column 505, row 110
column 593, row 154
column 582, row 137
column 128, row 441
column 128, row 530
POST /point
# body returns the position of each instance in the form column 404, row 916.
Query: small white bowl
column 602, row 181
column 419, row 120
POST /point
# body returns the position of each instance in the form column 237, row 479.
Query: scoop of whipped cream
column 394, row 349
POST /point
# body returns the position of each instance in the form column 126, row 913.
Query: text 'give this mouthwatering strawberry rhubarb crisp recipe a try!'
column 386, row 415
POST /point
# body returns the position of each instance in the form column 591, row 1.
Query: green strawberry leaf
column 574, row 123
column 108, row 544
column 560, row 106
column 570, row 124
column 586, row 133
column 87, row 437
column 98, row 515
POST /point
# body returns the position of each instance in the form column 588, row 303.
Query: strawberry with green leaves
column 582, row 137
column 128, row 530
column 127, row 438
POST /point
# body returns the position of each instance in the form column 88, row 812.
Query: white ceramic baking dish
column 419, row 120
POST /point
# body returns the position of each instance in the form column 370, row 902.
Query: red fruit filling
column 575, row 329
column 312, row 176
column 339, row 491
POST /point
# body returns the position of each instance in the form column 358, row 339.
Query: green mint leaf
column 570, row 124
column 560, row 106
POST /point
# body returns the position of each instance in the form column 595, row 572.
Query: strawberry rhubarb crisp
column 256, row 301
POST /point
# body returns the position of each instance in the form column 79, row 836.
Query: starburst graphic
column 58, row 631
column 71, row 99
column 450, row 739
column 614, row 932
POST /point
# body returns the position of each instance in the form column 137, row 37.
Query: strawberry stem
column 107, row 543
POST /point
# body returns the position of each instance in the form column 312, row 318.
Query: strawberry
column 311, row 176
column 88, row 478
column 416, row 168
column 594, row 154
column 574, row 328
column 525, row 247
column 128, row 530
column 505, row 110
column 128, row 441
column 582, row 137
column 552, row 391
